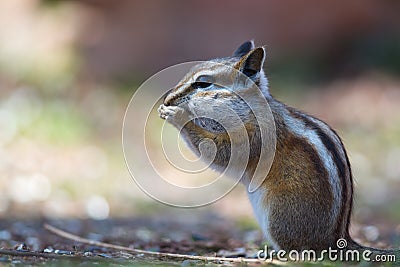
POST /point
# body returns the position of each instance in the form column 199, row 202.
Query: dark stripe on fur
column 340, row 165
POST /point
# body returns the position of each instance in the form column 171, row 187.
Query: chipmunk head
column 224, row 100
column 222, row 74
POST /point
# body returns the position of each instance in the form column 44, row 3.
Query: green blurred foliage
column 61, row 123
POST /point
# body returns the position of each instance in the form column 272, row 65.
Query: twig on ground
column 44, row 255
column 80, row 239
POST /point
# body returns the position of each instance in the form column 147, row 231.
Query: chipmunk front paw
column 166, row 111
column 173, row 114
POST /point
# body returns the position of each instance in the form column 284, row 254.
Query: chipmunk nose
column 169, row 97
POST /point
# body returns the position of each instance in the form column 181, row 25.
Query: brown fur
column 298, row 193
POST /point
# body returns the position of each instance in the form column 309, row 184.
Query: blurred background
column 69, row 68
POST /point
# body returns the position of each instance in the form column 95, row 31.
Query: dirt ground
column 27, row 242
column 192, row 237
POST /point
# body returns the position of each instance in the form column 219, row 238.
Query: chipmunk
column 306, row 199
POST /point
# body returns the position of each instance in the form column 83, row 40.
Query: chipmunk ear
column 252, row 63
column 244, row 48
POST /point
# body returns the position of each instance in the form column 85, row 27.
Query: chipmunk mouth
column 180, row 101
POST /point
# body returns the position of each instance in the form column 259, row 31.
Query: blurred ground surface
column 193, row 235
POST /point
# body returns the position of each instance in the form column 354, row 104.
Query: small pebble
column 48, row 250
column 22, row 247
column 63, row 252
column 105, row 255
column 126, row 255
column 88, row 254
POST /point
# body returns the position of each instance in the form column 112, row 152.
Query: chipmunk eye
column 202, row 82
column 201, row 85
